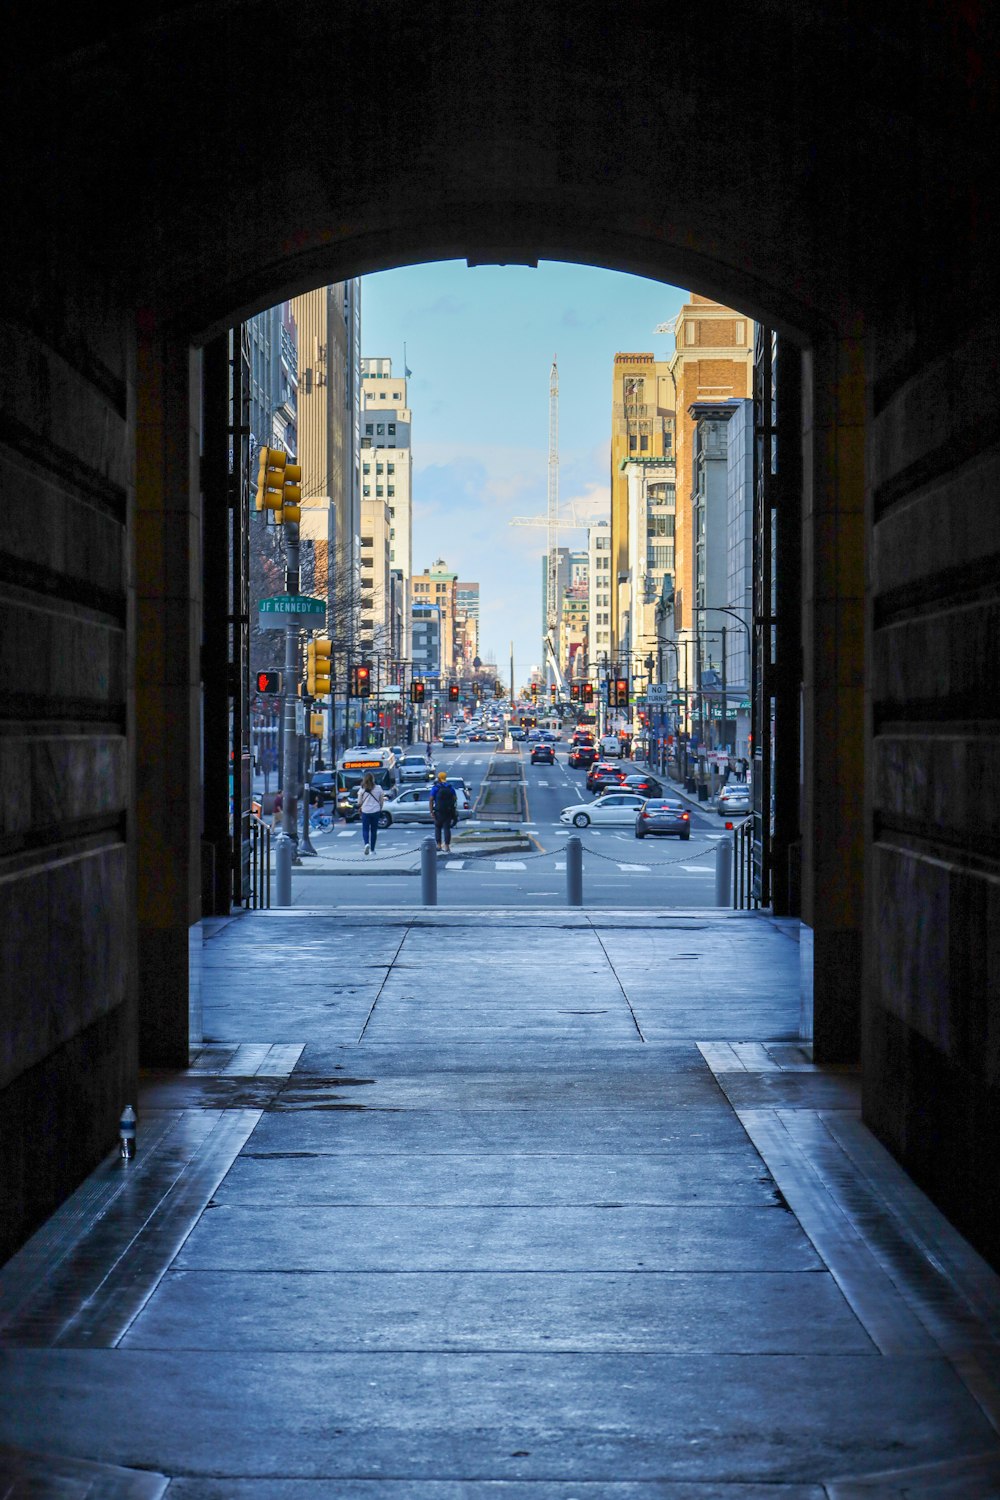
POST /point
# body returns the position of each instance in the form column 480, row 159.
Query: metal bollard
column 428, row 873
column 574, row 872
column 724, row 872
column 284, row 850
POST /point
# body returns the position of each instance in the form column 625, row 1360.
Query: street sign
column 291, row 609
column 658, row 692
column 300, row 717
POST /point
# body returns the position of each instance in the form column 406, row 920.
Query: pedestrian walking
column 371, row 800
column 444, row 806
column 428, row 749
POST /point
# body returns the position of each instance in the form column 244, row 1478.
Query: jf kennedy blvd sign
column 291, row 609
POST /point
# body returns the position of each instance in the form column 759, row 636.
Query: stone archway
column 827, row 169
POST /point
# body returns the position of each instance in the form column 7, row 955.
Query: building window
column 689, row 332
column 366, row 490
column 378, row 489
column 392, row 429
column 381, row 395
column 391, row 490
column 366, row 468
column 390, row 468
column 644, row 442
column 381, row 429
column 369, row 428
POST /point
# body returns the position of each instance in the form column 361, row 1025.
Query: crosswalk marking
column 634, row 867
column 348, row 833
column 455, row 864
column 510, row 864
column 697, row 869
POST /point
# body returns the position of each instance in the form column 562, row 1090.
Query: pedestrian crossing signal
column 268, row 682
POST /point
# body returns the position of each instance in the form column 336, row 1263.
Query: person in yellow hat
column 444, row 806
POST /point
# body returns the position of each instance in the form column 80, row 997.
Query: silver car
column 734, row 800
column 412, row 804
column 416, row 768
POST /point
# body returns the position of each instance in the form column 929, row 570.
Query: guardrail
column 743, row 886
column 260, row 864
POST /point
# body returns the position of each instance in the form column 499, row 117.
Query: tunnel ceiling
column 225, row 155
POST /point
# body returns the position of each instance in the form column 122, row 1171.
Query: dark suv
column 542, row 755
column 582, row 755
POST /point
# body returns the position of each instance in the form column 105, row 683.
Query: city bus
column 351, row 770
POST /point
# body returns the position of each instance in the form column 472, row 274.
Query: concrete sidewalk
column 455, row 1205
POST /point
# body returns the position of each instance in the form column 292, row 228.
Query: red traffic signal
column 417, row 692
column 574, row 692
column 588, row 692
column 453, row 692
column 268, row 682
column 361, row 686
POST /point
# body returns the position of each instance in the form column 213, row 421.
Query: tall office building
column 387, row 468
column 599, row 587
column 642, row 426
column 649, row 588
column 437, row 586
column 712, row 361
column 328, row 321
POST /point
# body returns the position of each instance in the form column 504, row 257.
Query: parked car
column 542, row 754
column 416, row 767
column 582, row 755
column 733, row 800
column 663, row 815
column 615, row 807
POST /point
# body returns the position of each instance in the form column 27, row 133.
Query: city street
column 619, row 870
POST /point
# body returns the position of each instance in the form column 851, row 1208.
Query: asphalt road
column 619, row 871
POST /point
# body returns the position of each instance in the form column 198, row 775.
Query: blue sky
column 480, row 344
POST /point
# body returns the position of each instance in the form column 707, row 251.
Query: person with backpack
column 444, row 806
column 371, row 800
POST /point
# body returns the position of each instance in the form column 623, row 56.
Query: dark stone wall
column 829, row 169
column 67, row 1041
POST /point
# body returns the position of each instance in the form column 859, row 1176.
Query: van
column 610, row 745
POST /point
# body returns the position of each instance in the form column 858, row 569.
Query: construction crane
column 551, row 602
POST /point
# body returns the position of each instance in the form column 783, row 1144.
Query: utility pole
column 512, row 674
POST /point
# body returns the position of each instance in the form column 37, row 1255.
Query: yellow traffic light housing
column 318, row 668
column 271, row 478
column 291, row 493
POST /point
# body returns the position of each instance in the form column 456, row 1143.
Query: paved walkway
column 499, row 1206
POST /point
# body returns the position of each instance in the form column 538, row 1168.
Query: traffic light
column 534, row 691
column 453, row 692
column 552, row 692
column 361, row 682
column 271, row 479
column 621, row 692
column 417, row 692
column 291, row 493
column 588, row 692
column 574, row 692
column 318, row 668
column 268, row 682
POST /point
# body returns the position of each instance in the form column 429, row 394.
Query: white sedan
column 614, row 807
